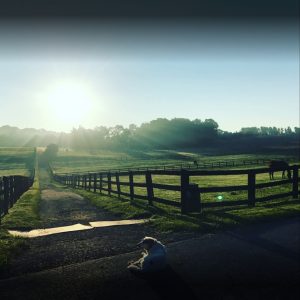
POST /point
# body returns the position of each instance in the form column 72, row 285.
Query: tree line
column 161, row 133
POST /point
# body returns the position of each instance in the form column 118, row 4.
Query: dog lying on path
column 153, row 257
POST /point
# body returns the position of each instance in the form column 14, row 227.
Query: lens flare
column 69, row 103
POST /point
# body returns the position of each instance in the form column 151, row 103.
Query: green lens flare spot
column 219, row 198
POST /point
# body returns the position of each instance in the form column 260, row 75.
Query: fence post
column 109, row 183
column 6, row 194
column 85, row 181
column 251, row 188
column 95, row 182
column 149, row 184
column 101, row 183
column 22, row 185
column 11, row 191
column 295, row 182
column 184, row 188
column 90, row 181
column 118, row 184
column 15, row 191
column 131, row 185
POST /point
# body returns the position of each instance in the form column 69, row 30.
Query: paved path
column 258, row 262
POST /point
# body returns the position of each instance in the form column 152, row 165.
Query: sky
column 62, row 73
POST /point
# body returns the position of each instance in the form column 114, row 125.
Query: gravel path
column 62, row 208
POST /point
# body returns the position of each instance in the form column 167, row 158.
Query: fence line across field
column 190, row 194
column 190, row 166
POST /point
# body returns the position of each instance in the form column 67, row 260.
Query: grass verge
column 167, row 218
column 24, row 214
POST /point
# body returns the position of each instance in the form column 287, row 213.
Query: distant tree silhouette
column 162, row 133
column 49, row 154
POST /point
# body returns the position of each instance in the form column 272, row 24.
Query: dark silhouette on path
column 167, row 284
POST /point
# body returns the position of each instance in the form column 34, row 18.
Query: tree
column 50, row 153
column 250, row 130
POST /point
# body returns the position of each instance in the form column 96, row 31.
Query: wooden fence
column 190, row 199
column 11, row 189
column 196, row 166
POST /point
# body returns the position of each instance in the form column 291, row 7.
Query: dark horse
column 279, row 165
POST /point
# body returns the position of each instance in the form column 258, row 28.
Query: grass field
column 169, row 218
column 16, row 161
column 75, row 161
column 68, row 162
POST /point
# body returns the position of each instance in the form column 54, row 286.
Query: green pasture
column 166, row 217
column 69, row 161
column 72, row 161
column 207, row 181
column 16, row 161
column 169, row 218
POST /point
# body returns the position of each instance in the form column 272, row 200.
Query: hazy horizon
column 127, row 126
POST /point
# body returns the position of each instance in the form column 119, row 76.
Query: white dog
column 153, row 257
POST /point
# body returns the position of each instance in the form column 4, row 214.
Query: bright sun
column 69, row 103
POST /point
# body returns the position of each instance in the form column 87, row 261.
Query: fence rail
column 11, row 189
column 191, row 166
column 190, row 194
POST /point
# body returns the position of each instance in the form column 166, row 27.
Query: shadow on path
column 167, row 284
column 267, row 245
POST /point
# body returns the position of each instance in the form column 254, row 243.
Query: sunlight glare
column 69, row 103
